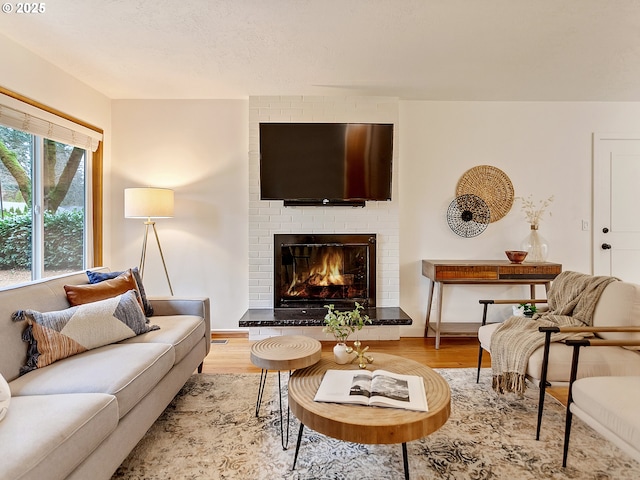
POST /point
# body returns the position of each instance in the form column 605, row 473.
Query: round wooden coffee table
column 285, row 352
column 372, row 425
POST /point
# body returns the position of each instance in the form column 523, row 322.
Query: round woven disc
column 490, row 184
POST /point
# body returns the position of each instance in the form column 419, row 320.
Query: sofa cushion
column 81, row 294
column 97, row 277
column 619, row 305
column 181, row 331
column 127, row 371
column 593, row 361
column 60, row 334
column 48, row 436
column 613, row 403
column 601, row 361
column 5, row 397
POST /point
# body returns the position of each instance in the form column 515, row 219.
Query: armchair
column 550, row 365
column 609, row 405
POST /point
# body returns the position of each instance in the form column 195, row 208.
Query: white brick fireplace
column 267, row 218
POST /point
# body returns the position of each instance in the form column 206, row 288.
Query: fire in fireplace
column 313, row 270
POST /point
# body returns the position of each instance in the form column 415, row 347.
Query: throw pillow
column 81, row 294
column 97, row 277
column 5, row 397
column 56, row 335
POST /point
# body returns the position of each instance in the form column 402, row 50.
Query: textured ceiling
column 571, row 50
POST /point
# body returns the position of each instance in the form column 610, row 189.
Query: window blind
column 25, row 117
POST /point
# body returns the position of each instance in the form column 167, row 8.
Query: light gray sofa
column 80, row 417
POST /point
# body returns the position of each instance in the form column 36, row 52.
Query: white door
column 616, row 206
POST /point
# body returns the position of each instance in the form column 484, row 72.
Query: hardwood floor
column 457, row 352
column 233, row 357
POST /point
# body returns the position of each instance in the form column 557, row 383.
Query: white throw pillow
column 5, row 397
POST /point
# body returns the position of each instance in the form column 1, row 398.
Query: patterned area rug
column 210, row 432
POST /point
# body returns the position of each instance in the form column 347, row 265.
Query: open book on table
column 378, row 388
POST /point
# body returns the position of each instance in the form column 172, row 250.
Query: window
column 46, row 211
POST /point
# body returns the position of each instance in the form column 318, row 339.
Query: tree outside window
column 42, row 207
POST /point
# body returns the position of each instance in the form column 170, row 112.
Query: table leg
column 429, row 305
column 295, row 457
column 438, row 287
column 284, row 441
column 284, row 438
column 263, row 380
column 405, row 461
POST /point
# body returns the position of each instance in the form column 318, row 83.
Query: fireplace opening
column 314, row 270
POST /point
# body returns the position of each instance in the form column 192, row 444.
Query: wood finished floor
column 459, row 352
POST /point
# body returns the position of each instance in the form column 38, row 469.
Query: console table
column 479, row 272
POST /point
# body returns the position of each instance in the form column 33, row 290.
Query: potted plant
column 528, row 309
column 341, row 325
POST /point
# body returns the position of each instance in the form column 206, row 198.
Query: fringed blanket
column 572, row 300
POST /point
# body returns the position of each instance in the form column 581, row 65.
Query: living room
column 204, row 148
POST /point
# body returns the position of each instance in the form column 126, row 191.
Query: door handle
column 606, row 246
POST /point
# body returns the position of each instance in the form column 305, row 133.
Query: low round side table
column 286, row 352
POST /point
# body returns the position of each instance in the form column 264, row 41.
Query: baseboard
column 217, row 334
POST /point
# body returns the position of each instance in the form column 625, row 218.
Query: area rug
column 210, row 431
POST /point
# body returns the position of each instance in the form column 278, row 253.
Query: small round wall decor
column 468, row 215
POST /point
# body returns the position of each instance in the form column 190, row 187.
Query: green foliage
column 15, row 242
column 343, row 324
column 62, row 245
column 529, row 309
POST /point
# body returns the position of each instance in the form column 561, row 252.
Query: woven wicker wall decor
column 490, row 184
column 468, row 215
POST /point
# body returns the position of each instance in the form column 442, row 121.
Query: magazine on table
column 378, row 388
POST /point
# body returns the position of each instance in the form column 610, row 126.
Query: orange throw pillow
column 81, row 294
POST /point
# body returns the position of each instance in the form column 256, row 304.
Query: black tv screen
column 325, row 163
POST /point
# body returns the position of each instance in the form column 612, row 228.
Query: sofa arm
column 198, row 306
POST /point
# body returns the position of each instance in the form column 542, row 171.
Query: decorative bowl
column 516, row 256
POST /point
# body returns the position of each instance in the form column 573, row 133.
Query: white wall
column 199, row 149
column 545, row 149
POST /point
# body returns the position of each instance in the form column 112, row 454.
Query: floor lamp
column 149, row 203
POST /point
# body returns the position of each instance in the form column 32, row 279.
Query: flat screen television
column 326, row 163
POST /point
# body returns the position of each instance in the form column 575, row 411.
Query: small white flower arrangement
column 534, row 211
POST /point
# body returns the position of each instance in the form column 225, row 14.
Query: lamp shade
column 148, row 202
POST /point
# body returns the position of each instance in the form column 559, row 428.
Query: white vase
column 536, row 245
column 340, row 353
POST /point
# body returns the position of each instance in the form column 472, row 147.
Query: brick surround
column 267, row 218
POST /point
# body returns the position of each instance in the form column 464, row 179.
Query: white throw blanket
column 572, row 300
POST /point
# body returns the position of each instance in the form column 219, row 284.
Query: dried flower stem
column 534, row 211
